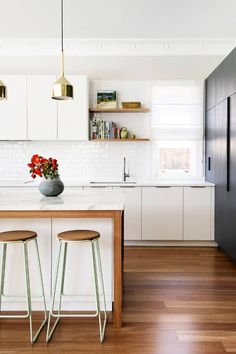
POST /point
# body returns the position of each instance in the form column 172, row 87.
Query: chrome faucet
column 125, row 174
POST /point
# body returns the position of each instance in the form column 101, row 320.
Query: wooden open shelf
column 122, row 140
column 119, row 110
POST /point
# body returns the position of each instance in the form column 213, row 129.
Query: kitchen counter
column 150, row 182
column 20, row 198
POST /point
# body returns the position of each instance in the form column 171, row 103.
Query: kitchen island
column 26, row 208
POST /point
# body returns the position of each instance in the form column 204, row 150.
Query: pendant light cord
column 62, row 29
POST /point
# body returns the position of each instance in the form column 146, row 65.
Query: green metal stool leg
column 27, row 278
column 4, row 255
column 63, row 276
column 28, row 293
column 102, row 286
column 97, row 291
column 43, row 292
column 50, row 333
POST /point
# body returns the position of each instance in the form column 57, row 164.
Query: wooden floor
column 177, row 301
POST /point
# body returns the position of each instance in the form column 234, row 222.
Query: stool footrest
column 74, row 315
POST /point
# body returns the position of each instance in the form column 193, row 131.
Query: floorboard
column 176, row 301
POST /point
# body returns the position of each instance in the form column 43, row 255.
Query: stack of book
column 101, row 129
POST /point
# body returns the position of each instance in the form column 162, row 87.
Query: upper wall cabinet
column 211, row 91
column 73, row 114
column 222, row 82
column 13, row 121
column 42, row 109
column 224, row 79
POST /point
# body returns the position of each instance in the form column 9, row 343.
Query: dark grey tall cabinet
column 220, row 147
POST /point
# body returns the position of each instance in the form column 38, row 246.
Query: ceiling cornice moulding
column 118, row 47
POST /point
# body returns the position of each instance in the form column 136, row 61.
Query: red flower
column 31, row 165
column 35, row 159
column 39, row 166
column 38, row 172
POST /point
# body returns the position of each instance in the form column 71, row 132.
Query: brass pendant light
column 3, row 91
column 62, row 89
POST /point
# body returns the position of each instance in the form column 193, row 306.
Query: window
column 177, row 129
column 174, row 159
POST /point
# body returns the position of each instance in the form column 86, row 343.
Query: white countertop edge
column 200, row 183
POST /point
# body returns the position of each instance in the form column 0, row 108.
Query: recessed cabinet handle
column 98, row 187
column 209, row 163
column 127, row 186
column 228, row 145
column 197, row 186
column 162, row 186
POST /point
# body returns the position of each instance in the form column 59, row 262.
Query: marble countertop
column 20, row 198
column 149, row 182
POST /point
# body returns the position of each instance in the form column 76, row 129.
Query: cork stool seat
column 78, row 235
column 23, row 237
column 72, row 237
column 17, row 235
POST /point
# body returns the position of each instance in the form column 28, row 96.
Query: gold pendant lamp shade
column 3, row 91
column 62, row 89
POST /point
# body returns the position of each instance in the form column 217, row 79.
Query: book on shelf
column 100, row 129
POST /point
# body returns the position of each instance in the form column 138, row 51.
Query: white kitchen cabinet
column 132, row 213
column 15, row 275
column 79, row 278
column 42, row 109
column 198, row 209
column 73, row 120
column 162, row 213
column 13, row 116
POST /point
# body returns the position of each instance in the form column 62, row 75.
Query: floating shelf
column 121, row 140
column 119, row 110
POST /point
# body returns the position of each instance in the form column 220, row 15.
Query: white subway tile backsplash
column 78, row 161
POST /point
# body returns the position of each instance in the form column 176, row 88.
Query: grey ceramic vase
column 51, row 187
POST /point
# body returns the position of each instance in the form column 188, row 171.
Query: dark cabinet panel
column 221, row 194
column 221, row 149
column 224, row 80
column 229, row 242
column 211, row 91
column 210, row 126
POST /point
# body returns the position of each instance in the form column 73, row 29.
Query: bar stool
column 23, row 237
column 71, row 237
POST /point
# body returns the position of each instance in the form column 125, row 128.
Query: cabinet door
column 210, row 153
column 221, row 194
column 79, row 279
column 197, row 213
column 211, row 91
column 42, row 109
column 224, row 79
column 226, row 201
column 162, row 213
column 13, row 116
column 15, row 275
column 73, row 114
column 132, row 213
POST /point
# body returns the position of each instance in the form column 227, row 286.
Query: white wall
column 91, row 161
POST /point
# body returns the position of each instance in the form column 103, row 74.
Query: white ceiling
column 117, row 19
